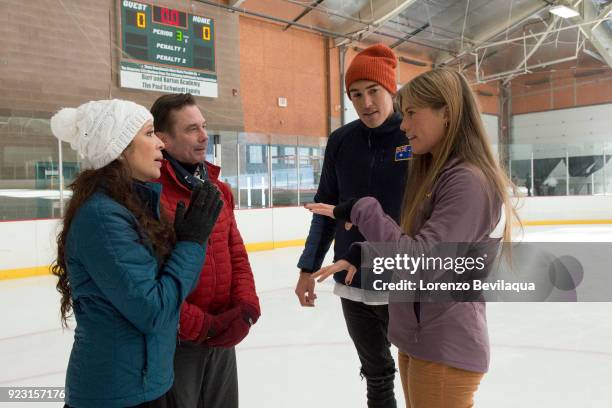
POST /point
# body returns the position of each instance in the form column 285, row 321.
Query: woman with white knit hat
column 123, row 269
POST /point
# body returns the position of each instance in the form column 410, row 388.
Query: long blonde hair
column 465, row 139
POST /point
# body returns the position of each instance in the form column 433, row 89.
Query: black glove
column 342, row 211
column 196, row 223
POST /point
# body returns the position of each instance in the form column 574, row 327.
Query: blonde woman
column 456, row 193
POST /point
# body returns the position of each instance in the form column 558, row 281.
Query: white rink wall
column 25, row 244
column 29, row 244
column 577, row 208
column 273, row 224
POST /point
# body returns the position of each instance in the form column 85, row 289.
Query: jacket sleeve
column 461, row 215
column 322, row 229
column 320, row 236
column 192, row 318
column 127, row 273
column 243, row 285
column 192, row 321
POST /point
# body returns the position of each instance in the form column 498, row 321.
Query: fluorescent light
column 564, row 11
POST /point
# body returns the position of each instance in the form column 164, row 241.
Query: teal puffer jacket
column 126, row 305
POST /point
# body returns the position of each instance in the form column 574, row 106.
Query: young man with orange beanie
column 366, row 157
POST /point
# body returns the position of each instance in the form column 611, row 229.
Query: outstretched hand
column 338, row 266
column 326, row 210
column 322, row 209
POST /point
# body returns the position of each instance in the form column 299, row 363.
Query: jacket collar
column 149, row 194
column 183, row 177
column 389, row 126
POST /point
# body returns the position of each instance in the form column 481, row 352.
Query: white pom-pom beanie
column 100, row 130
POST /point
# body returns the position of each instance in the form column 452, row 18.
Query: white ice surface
column 542, row 355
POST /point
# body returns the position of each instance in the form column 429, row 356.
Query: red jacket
column 226, row 278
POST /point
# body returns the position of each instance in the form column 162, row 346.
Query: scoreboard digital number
column 153, row 37
column 163, row 15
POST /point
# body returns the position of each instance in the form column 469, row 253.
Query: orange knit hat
column 376, row 63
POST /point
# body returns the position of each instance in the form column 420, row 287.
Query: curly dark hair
column 117, row 183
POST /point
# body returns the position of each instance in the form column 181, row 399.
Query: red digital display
column 169, row 17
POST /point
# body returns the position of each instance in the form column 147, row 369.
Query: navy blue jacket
column 125, row 303
column 358, row 162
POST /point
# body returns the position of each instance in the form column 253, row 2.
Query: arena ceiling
column 492, row 39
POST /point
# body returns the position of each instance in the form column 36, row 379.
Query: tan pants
column 433, row 385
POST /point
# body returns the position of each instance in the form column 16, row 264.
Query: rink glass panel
column 311, row 153
column 29, row 169
column 607, row 169
column 555, row 169
column 253, row 170
column 284, row 165
column 227, row 157
column 266, row 170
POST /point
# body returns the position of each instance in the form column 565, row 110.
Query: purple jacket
column 461, row 208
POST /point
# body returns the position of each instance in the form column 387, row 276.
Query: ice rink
column 542, row 355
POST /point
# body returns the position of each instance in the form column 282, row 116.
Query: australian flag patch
column 403, row 153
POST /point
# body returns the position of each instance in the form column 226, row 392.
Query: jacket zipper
column 372, row 160
column 146, row 362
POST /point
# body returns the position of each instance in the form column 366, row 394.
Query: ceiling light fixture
column 564, row 11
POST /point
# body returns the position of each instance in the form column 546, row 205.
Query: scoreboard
column 166, row 50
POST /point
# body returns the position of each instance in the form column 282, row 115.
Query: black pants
column 165, row 401
column 205, row 377
column 367, row 326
